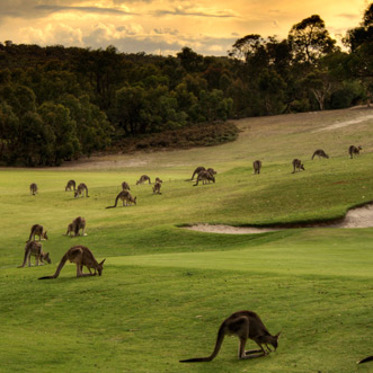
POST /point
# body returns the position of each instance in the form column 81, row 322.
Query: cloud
column 195, row 13
column 85, row 9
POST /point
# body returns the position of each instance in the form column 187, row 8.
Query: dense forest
column 59, row 103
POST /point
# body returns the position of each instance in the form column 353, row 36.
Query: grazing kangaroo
column 257, row 165
column 71, row 185
column 244, row 325
column 297, row 165
column 37, row 230
column 77, row 225
column 80, row 190
column 157, row 188
column 33, row 189
column 81, row 256
column 35, row 249
column 353, row 150
column 142, row 180
column 204, row 176
column 126, row 198
column 320, row 153
column 197, row 171
column 125, row 186
column 365, row 360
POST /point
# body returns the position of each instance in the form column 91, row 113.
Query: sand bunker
column 360, row 217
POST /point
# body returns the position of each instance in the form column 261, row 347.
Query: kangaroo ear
column 278, row 334
column 102, row 263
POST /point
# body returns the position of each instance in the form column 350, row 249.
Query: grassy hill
column 165, row 290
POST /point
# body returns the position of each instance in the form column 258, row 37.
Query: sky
column 166, row 26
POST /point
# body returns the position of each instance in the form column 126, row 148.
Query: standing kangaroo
column 80, row 190
column 33, row 189
column 320, row 153
column 353, row 150
column 71, row 185
column 297, row 165
column 257, row 165
column 81, row 256
column 125, row 186
column 244, row 325
column 157, row 188
column 204, row 176
column 142, row 179
column 126, row 198
column 37, row 230
column 197, row 171
column 35, row 249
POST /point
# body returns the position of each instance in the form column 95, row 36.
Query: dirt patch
column 360, row 217
column 346, row 123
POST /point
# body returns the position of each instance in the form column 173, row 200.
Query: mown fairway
column 165, row 290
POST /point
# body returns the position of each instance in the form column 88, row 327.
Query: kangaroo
column 126, row 198
column 244, row 325
column 33, row 189
column 353, row 150
column 257, row 165
column 320, row 153
column 125, row 186
column 70, row 230
column 77, row 225
column 197, row 171
column 71, row 185
column 157, row 188
column 365, row 360
column 37, row 230
column 297, row 165
column 142, row 180
column 204, row 176
column 35, row 249
column 81, row 256
column 80, row 190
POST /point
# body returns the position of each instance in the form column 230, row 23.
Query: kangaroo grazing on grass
column 204, row 176
column 80, row 190
column 126, row 198
column 244, row 325
column 157, row 188
column 37, row 230
column 81, row 256
column 320, row 153
column 71, row 185
column 297, row 165
column 35, row 249
column 33, row 189
column 197, row 171
column 125, row 186
column 142, row 180
column 353, row 150
column 257, row 165
column 74, row 227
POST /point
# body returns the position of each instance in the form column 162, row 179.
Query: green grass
column 165, row 290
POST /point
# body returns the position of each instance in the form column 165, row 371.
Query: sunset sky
column 165, row 26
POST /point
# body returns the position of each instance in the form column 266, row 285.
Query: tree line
column 59, row 103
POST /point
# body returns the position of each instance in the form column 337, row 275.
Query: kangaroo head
column 302, row 167
column 134, row 200
column 45, row 235
column 100, row 267
column 76, row 193
column 47, row 258
column 360, row 147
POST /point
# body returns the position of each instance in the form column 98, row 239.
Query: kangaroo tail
column 365, row 360
column 58, row 270
column 86, row 192
column 24, row 260
column 219, row 342
column 115, row 205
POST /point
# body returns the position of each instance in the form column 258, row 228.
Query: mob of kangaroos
column 33, row 189
column 126, row 198
column 244, row 325
column 79, row 192
column 320, row 153
column 35, row 249
column 74, row 227
column 37, row 230
column 205, row 176
column 81, row 256
column 71, row 185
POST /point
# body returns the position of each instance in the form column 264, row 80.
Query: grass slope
column 165, row 290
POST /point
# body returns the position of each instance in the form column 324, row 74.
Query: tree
column 310, row 40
